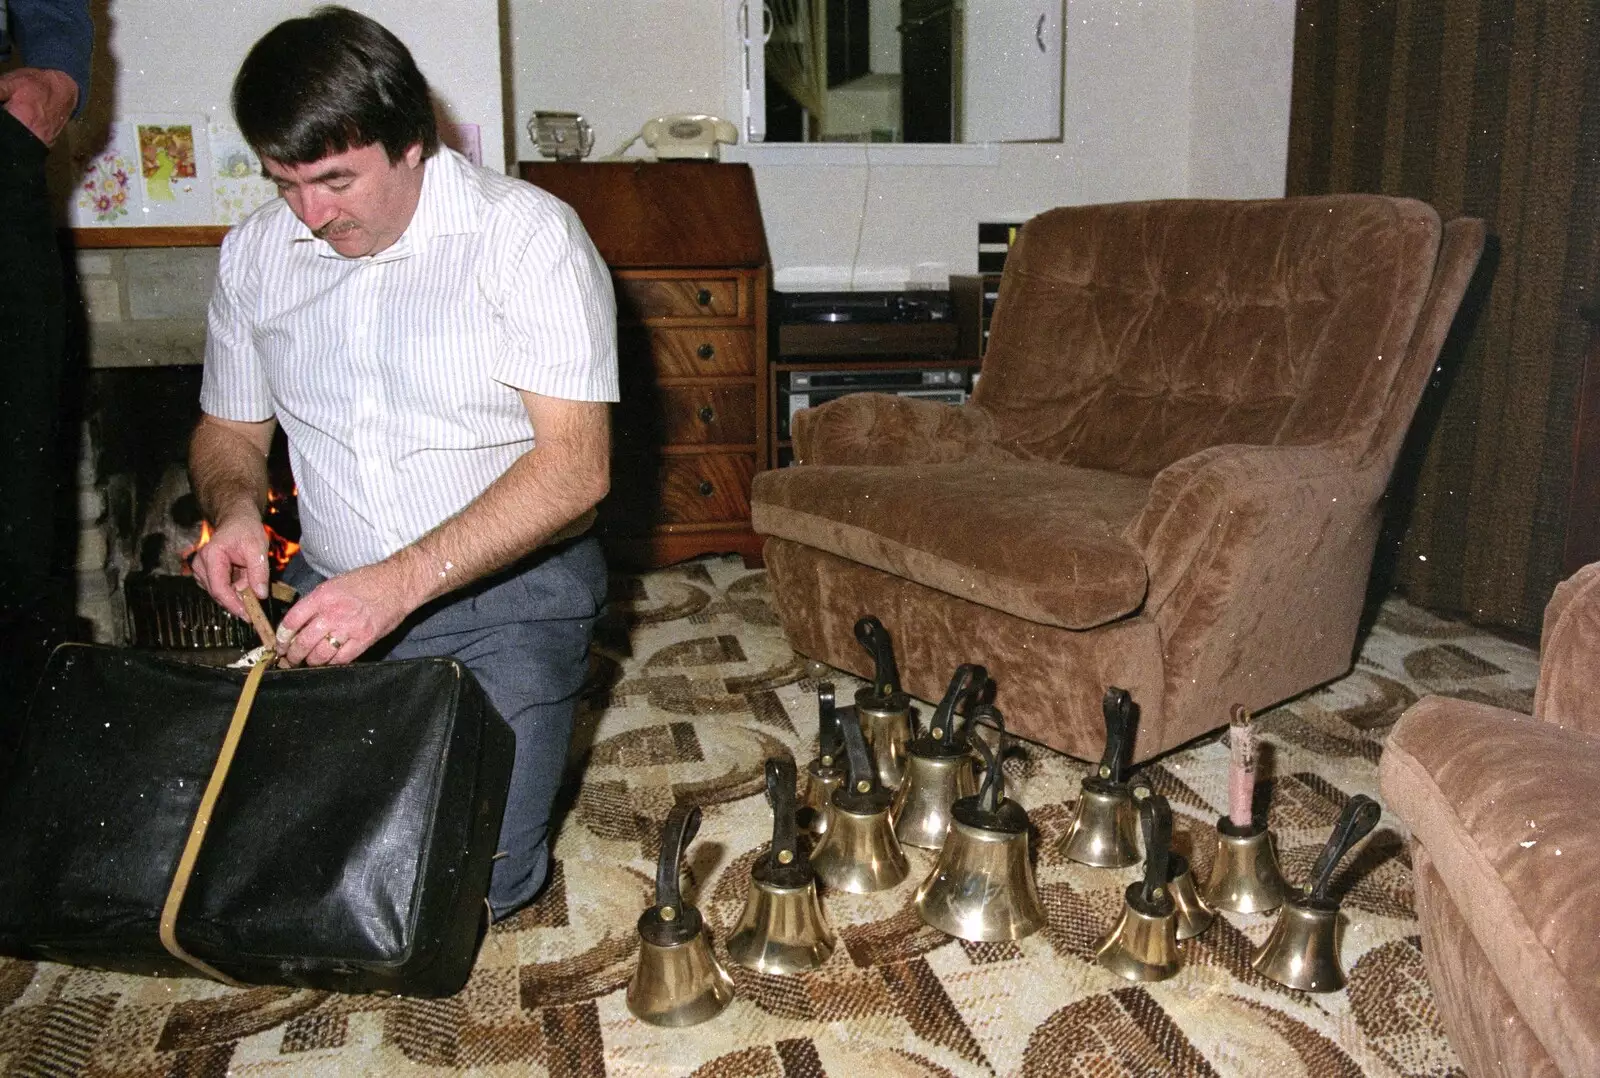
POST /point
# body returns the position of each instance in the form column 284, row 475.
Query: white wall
column 1244, row 64
column 157, row 57
column 618, row 62
column 1151, row 89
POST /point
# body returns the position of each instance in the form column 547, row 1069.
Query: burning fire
column 279, row 549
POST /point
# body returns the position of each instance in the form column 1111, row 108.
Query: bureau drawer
column 641, row 298
column 650, row 416
column 689, row 353
column 701, row 488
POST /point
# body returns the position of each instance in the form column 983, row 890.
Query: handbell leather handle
column 1155, row 819
column 830, row 742
column 673, row 920
column 863, row 770
column 966, row 683
column 875, row 638
column 993, row 790
column 1117, row 706
column 1360, row 816
column 785, row 848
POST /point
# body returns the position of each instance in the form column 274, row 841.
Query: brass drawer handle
column 703, row 297
column 705, row 351
column 706, row 488
column 707, row 414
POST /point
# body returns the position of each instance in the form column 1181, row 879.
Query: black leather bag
column 349, row 848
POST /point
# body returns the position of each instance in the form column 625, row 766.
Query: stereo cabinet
column 688, row 259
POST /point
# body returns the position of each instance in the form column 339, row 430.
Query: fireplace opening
column 140, row 420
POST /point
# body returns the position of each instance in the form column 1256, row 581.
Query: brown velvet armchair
column 1504, row 845
column 1168, row 477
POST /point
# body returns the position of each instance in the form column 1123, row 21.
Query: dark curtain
column 1489, row 108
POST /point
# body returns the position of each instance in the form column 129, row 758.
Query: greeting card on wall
column 174, row 171
column 464, row 139
column 237, row 186
column 107, row 189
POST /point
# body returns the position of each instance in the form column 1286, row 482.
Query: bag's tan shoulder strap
column 202, row 820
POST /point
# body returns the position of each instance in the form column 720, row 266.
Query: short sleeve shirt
column 396, row 376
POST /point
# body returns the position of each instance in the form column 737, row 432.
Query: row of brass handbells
column 1166, row 907
column 982, row 887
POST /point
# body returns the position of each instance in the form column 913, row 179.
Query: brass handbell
column 939, row 766
column 1104, row 830
column 1303, row 949
column 859, row 852
column 783, row 928
column 1143, row 944
column 1194, row 916
column 1245, row 877
column 982, row 887
column 678, row 981
column 826, row 773
column 885, row 711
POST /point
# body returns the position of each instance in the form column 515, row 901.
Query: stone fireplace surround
column 145, row 311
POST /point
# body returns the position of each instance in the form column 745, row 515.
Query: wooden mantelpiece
column 88, row 239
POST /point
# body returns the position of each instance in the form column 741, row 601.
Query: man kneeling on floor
column 439, row 343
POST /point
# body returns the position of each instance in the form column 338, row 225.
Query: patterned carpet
column 694, row 687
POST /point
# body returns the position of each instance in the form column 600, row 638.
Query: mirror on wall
column 913, row 71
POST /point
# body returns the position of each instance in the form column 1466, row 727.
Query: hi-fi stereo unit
column 799, row 389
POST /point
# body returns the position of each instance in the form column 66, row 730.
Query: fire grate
column 174, row 612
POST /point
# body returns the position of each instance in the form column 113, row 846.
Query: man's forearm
column 228, row 472
column 544, row 491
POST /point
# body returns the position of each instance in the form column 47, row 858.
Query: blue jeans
column 524, row 633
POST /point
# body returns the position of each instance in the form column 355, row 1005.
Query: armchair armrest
column 880, row 428
column 1570, row 640
column 1243, row 512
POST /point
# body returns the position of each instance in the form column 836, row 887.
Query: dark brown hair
column 332, row 81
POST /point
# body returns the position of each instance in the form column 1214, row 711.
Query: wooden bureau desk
column 688, row 257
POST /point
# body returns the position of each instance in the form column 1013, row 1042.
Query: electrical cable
column 861, row 223
column 616, row 154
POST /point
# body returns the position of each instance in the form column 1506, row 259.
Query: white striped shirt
column 395, row 376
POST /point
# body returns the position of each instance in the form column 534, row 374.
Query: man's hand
column 41, row 98
column 235, row 558
column 345, row 615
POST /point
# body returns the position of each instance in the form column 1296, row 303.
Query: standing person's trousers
column 525, row 635
column 32, row 363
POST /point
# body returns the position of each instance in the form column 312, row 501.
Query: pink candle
column 1241, row 768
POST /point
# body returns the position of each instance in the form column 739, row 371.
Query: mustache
column 334, row 228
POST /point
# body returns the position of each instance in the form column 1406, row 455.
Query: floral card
column 238, row 188
column 106, row 190
column 174, row 173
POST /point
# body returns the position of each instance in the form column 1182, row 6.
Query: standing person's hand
column 235, row 558
column 344, row 616
column 42, row 99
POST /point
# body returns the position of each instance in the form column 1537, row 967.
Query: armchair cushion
column 1503, row 805
column 1043, row 542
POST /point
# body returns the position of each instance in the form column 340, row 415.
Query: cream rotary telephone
column 692, row 137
